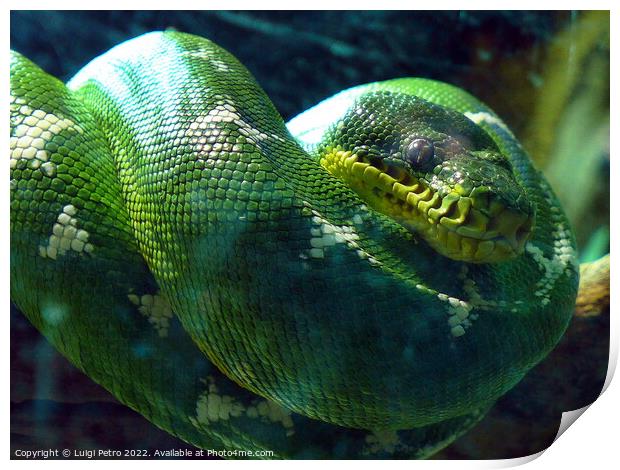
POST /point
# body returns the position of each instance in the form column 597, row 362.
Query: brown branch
column 593, row 296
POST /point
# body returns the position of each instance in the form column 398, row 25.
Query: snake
column 364, row 281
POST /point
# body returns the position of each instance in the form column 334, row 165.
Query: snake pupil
column 420, row 152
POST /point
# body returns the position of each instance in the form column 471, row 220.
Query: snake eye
column 420, row 152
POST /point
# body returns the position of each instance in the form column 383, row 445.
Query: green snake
column 365, row 282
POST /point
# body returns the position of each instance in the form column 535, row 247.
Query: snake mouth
column 470, row 226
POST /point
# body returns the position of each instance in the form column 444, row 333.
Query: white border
column 591, row 442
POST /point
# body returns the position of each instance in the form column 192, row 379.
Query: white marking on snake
column 460, row 316
column 207, row 55
column 213, row 407
column 220, row 65
column 483, row 116
column 325, row 235
column 66, row 236
column 383, row 441
column 563, row 256
column 32, row 129
column 213, row 122
column 157, row 310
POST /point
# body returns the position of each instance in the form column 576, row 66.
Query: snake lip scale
column 454, row 213
column 488, row 231
column 364, row 281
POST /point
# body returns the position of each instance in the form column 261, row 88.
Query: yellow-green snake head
column 433, row 170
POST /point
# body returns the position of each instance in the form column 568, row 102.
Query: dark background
column 300, row 58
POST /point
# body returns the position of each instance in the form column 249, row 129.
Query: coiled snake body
column 366, row 289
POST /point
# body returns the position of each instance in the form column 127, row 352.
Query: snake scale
column 363, row 283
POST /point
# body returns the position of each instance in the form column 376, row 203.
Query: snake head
column 435, row 172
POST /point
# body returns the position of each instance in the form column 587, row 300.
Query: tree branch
column 593, row 296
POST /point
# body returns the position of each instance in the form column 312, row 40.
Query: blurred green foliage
column 568, row 135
